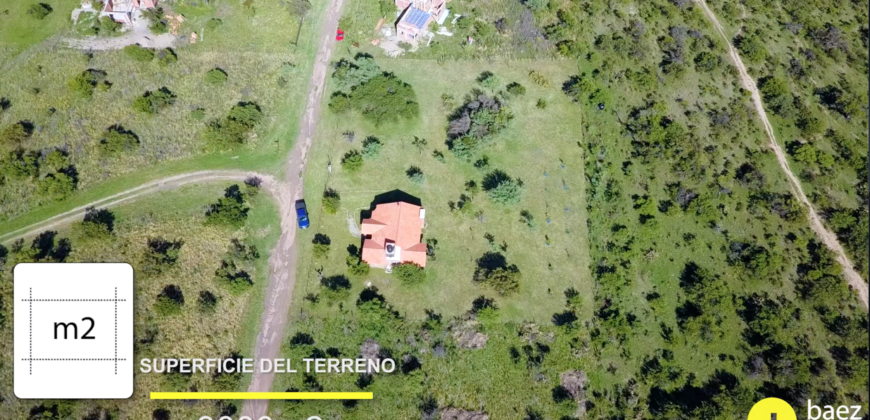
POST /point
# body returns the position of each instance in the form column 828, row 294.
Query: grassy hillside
column 196, row 330
column 251, row 45
column 709, row 289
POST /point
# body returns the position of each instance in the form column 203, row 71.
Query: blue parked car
column 302, row 214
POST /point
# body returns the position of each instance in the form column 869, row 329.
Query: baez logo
column 828, row 412
column 772, row 409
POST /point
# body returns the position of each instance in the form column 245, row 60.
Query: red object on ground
column 339, row 35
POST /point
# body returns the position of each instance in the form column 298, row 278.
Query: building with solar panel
column 416, row 17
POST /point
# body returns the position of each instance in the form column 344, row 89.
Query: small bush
column 489, row 80
column 39, row 10
column 216, row 76
column 516, row 89
column 153, row 101
column 207, row 302
column 85, row 82
column 415, row 174
column 13, row 135
column 198, row 114
column 237, row 126
column 335, row 287
column 501, row 188
column 360, row 269
column 108, row 26
column 352, row 161
column 98, row 222
column 139, row 53
column 409, row 273
column 166, row 57
column 170, row 301
column 160, row 255
column 301, row 339
column 321, row 245
column 237, row 281
column 116, row 140
column 331, row 201
column 56, row 186
column 371, row 147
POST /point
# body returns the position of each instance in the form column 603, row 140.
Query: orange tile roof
column 397, row 222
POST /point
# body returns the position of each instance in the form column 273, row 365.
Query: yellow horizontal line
column 261, row 395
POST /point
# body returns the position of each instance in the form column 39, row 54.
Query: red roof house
column 123, row 10
column 392, row 235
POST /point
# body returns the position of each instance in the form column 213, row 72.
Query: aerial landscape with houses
column 538, row 209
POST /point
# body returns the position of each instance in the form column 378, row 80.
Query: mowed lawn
column 540, row 146
column 174, row 215
column 19, row 30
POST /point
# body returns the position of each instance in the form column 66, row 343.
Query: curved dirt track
column 162, row 184
column 828, row 238
column 282, row 262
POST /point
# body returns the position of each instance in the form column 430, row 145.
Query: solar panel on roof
column 417, row 17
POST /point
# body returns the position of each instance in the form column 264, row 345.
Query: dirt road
column 828, row 238
column 134, row 193
column 283, row 260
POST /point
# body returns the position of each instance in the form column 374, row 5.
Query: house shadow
column 390, row 197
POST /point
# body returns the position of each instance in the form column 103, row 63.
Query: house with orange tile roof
column 392, row 235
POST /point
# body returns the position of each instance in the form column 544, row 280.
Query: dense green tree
column 237, row 126
column 230, row 210
column 116, row 139
column 56, row 186
column 385, row 99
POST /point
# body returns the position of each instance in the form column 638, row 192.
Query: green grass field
column 20, row 30
column 651, row 344
column 175, row 215
column 534, row 148
column 254, row 47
